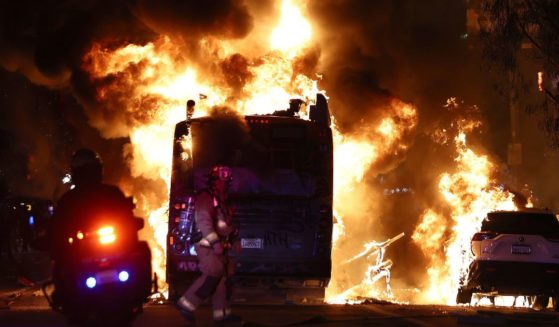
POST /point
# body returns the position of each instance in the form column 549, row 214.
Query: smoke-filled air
column 132, row 65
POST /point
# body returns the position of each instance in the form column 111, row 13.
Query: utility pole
column 515, row 147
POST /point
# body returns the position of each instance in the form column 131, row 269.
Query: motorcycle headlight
column 106, row 235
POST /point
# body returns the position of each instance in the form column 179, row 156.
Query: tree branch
column 544, row 14
column 552, row 96
column 534, row 42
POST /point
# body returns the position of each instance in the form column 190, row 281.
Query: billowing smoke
column 367, row 54
column 221, row 143
column 47, row 41
column 193, row 19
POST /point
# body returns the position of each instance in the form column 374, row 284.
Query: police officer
column 80, row 208
column 89, row 196
column 213, row 216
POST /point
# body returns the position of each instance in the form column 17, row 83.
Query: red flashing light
column 106, row 235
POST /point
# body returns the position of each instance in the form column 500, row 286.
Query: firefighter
column 213, row 216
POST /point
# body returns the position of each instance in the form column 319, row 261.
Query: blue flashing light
column 123, row 276
column 91, row 282
column 31, row 220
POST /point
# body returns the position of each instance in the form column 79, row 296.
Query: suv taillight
column 483, row 236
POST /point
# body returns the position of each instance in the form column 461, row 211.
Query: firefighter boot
column 184, row 308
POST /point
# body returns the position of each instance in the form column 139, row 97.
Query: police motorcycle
column 103, row 275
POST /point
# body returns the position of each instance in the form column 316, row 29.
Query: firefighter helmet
column 223, row 173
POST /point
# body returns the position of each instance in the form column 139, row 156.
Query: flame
column 469, row 193
column 262, row 94
column 293, row 31
column 354, row 155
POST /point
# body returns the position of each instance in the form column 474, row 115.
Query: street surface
column 31, row 309
column 22, row 304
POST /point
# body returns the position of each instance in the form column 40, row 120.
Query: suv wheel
column 464, row 296
column 555, row 302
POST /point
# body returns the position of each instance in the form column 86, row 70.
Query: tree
column 510, row 27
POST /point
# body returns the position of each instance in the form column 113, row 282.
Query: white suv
column 515, row 253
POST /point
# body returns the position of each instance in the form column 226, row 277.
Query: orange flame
column 469, row 193
column 354, row 155
column 292, row 32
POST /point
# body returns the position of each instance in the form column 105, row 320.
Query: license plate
column 520, row 249
column 106, row 276
column 252, row 243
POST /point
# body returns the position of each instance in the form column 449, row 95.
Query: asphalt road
column 31, row 309
column 21, row 304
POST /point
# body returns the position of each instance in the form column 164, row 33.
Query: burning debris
column 375, row 272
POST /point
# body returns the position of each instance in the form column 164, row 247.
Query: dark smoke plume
column 221, row 143
column 46, row 41
column 372, row 50
column 192, row 19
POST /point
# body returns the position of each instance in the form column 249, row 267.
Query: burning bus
column 282, row 193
